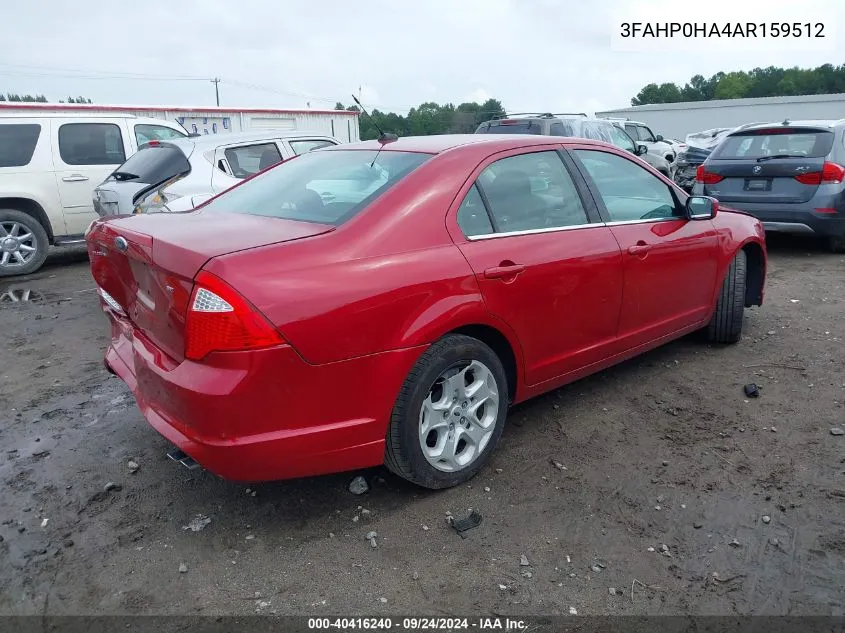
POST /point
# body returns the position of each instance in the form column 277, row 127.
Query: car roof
column 227, row 138
column 831, row 123
column 439, row 143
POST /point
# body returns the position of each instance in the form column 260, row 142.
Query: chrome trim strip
column 553, row 229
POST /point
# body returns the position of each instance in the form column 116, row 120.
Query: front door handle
column 505, row 270
column 640, row 249
column 75, row 178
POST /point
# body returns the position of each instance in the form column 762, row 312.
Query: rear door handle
column 499, row 272
column 640, row 249
column 75, row 178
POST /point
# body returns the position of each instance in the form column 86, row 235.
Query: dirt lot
column 748, row 495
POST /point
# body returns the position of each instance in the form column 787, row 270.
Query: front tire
column 449, row 415
column 726, row 324
column 23, row 243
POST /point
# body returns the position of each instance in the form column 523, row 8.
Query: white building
column 341, row 124
column 676, row 120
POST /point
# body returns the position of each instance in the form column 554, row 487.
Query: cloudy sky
column 557, row 55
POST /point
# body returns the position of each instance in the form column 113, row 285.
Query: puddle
column 20, row 294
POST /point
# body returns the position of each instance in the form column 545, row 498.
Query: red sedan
column 386, row 302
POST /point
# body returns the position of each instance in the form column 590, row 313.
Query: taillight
column 221, row 320
column 830, row 173
column 707, row 177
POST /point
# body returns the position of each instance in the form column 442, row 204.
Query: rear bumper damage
column 263, row 415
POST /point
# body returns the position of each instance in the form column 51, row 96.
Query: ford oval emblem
column 121, row 244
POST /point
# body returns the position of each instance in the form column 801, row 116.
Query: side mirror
column 641, row 149
column 659, row 138
column 701, row 207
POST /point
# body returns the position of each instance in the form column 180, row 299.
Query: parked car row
column 59, row 172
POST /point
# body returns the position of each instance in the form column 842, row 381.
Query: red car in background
column 386, row 302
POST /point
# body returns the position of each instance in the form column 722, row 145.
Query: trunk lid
column 146, row 264
column 764, row 165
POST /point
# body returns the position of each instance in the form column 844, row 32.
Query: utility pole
column 216, row 82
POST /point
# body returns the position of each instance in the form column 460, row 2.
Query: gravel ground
column 656, row 487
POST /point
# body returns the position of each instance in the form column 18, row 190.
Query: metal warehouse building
column 676, row 120
column 341, row 124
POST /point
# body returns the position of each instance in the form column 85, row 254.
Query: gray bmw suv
column 790, row 175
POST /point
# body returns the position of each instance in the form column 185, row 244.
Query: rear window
column 779, row 142
column 17, row 143
column 153, row 165
column 324, row 187
column 510, row 127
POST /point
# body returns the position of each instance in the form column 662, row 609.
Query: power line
column 74, row 73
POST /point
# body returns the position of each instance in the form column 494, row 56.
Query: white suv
column 641, row 133
column 49, row 166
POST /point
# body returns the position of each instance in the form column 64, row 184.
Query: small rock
column 44, row 522
column 596, row 569
column 558, row 465
column 657, row 508
column 573, row 611
column 771, row 332
column 503, row 587
column 650, row 549
column 774, row 541
column 198, row 523
column 837, row 431
column 555, row 406
column 112, row 486
column 697, row 525
column 487, row 489
column 254, row 493
column 665, row 463
column 68, row 542
column 523, row 561
column 383, row 600
column 331, row 534
column 499, row 471
column 683, row 506
column 527, row 574
column 371, row 537
column 250, row 537
column 365, row 512
column 425, row 528
column 773, row 429
column 664, row 548
column 183, row 568
column 133, row 466
column 611, row 591
column 415, row 576
column 355, row 518
column 660, row 499
column 358, row 486
column 573, row 575
column 767, row 519
column 735, row 543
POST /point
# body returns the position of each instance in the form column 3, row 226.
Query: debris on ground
column 735, row 543
column 767, row 519
column 523, row 561
column 183, row 568
column 133, row 466
column 752, row 390
column 573, row 611
column 611, row 591
column 836, row 431
column 557, row 464
column 198, row 523
column 472, row 520
column 503, row 587
column 358, row 486
column 371, row 537
column 111, row 486
column 44, row 522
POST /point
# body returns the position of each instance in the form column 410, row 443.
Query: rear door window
column 645, row 134
column 303, row 146
column 778, row 142
column 531, row 191
column 247, row 160
column 91, row 144
column 145, row 132
column 17, row 143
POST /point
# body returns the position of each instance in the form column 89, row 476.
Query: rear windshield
column 17, row 143
column 780, row 142
column 323, row 187
column 516, row 127
column 153, row 165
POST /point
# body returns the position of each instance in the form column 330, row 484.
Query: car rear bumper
column 263, row 415
column 794, row 218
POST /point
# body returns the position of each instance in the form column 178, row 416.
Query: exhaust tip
column 178, row 455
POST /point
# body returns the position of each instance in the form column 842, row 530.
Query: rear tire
column 726, row 324
column 437, row 409
column 836, row 243
column 32, row 249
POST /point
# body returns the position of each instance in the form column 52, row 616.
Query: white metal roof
column 728, row 103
